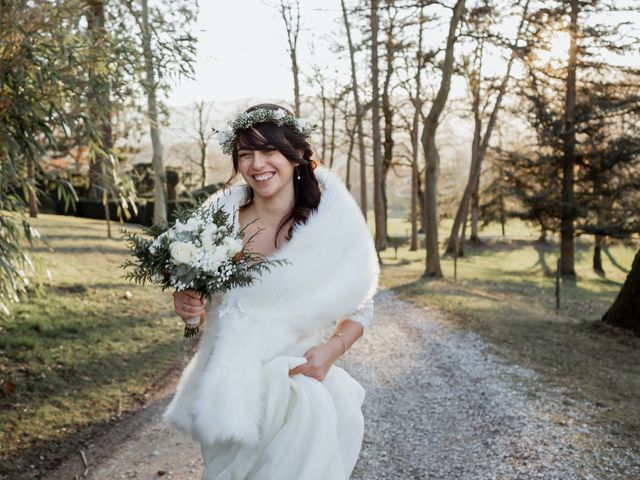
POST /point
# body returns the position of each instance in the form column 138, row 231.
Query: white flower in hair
column 245, row 120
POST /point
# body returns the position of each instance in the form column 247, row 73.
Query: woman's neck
column 275, row 207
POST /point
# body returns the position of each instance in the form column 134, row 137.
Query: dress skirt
column 312, row 430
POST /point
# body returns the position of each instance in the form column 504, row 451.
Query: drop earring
column 298, row 173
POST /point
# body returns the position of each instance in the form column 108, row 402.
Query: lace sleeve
column 364, row 313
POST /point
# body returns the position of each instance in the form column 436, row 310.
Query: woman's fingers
column 183, row 298
column 194, row 294
column 192, row 310
column 299, row 369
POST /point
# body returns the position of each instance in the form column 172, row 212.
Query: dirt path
column 438, row 406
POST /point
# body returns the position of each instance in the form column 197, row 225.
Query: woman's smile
column 263, row 178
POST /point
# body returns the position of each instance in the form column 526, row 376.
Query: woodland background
column 493, row 146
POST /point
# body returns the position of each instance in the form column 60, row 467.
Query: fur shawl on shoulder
column 332, row 269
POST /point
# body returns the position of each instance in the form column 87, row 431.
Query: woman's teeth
column 264, row 177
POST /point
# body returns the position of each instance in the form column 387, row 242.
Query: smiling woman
column 263, row 396
column 268, row 157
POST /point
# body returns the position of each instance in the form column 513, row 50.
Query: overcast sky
column 242, row 50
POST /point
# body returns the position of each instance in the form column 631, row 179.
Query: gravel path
column 438, row 406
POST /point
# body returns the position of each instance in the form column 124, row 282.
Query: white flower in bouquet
column 201, row 252
column 183, row 252
column 214, row 259
column 232, row 246
column 191, row 225
column 208, row 237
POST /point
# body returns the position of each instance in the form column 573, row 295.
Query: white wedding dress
column 312, row 430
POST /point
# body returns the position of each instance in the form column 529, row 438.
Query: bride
column 262, row 395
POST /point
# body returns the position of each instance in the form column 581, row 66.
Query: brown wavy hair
column 288, row 141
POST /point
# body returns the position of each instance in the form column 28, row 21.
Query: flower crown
column 227, row 136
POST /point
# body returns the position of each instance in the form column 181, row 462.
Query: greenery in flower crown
column 227, row 136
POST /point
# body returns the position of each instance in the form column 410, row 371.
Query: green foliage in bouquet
column 199, row 251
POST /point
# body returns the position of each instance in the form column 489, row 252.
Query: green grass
column 77, row 352
column 505, row 292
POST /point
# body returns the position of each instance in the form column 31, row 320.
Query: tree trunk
column 332, row 146
column 415, row 173
column 387, row 114
column 432, row 159
column 543, row 234
column 475, row 213
column 480, row 143
column 352, row 133
column 503, row 213
column 463, row 208
column 597, row 254
column 568, row 163
column 380, row 233
column 31, row 192
column 359, row 113
column 159, row 177
column 625, row 311
column 415, row 143
column 203, row 140
column 323, row 123
column 292, row 24
column 100, row 101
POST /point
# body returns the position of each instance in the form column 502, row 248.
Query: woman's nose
column 259, row 159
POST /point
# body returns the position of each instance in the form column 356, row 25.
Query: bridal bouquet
column 198, row 252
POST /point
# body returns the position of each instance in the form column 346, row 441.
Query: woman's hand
column 188, row 304
column 319, row 359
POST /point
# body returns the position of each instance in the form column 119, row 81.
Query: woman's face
column 267, row 172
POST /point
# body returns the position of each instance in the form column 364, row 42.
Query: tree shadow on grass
column 543, row 250
column 79, row 379
column 613, row 261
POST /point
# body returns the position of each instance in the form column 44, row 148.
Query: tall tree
column 568, row 163
column 149, row 83
column 391, row 46
column 204, row 133
column 378, row 203
column 416, row 100
column 163, row 50
column 480, row 24
column 358, row 111
column 290, row 13
column 41, row 67
column 583, row 108
column 432, row 158
column 101, row 107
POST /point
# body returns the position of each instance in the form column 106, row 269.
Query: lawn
column 80, row 352
column 505, row 292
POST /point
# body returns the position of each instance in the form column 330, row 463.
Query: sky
column 242, row 50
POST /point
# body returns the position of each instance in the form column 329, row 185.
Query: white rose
column 182, row 252
column 279, row 114
column 232, row 246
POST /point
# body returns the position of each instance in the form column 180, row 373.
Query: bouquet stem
column 192, row 326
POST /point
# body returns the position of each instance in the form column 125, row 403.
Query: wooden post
column 558, row 284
